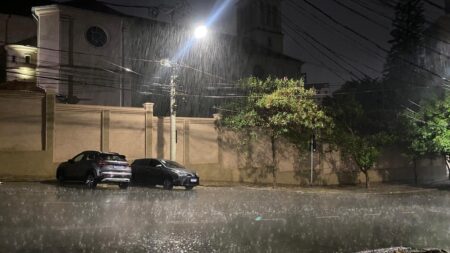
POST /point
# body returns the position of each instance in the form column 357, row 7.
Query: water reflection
column 49, row 218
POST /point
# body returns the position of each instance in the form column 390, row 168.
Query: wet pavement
column 45, row 217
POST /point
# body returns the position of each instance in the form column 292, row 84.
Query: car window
column 90, row 156
column 171, row 164
column 78, row 157
column 113, row 157
column 140, row 162
column 154, row 162
column 137, row 162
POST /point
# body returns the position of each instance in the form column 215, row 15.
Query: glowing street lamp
column 200, row 32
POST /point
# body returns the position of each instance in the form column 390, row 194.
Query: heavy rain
column 44, row 217
column 304, row 126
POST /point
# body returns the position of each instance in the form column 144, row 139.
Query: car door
column 71, row 169
column 85, row 165
column 146, row 171
column 156, row 171
column 138, row 170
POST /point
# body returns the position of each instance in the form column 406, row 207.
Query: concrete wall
column 21, row 122
column 114, row 129
column 26, row 135
column 36, row 134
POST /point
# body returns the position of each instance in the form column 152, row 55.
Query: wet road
column 43, row 217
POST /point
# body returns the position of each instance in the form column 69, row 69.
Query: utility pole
column 173, row 107
column 313, row 148
column 312, row 162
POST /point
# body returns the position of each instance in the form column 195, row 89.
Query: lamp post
column 173, row 116
column 199, row 33
column 173, row 110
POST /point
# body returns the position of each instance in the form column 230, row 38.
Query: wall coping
column 190, row 120
column 21, row 94
column 98, row 108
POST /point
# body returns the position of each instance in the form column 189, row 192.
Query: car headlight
column 179, row 173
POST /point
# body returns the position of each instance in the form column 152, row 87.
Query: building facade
column 90, row 54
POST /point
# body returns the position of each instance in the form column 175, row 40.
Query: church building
column 88, row 53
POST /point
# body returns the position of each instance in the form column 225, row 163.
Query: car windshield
column 171, row 164
column 112, row 157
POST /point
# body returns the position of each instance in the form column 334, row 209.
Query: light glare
column 200, row 32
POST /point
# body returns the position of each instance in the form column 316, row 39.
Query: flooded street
column 44, row 217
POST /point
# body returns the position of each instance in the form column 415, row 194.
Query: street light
column 199, row 32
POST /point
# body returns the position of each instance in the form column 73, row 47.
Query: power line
column 328, row 49
column 391, row 20
column 434, row 5
column 381, row 14
column 332, row 29
column 422, row 46
column 439, row 27
column 361, row 15
column 219, row 96
column 371, row 41
column 323, row 64
column 118, row 58
column 382, row 89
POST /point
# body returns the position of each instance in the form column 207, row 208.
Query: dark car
column 92, row 167
column 163, row 172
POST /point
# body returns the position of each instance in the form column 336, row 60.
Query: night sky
column 296, row 12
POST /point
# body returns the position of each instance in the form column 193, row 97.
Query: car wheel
column 189, row 187
column 123, row 185
column 60, row 177
column 90, row 181
column 168, row 184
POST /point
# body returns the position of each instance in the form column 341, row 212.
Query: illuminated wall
column 21, row 63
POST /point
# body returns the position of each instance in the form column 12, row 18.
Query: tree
column 429, row 129
column 356, row 134
column 402, row 75
column 280, row 108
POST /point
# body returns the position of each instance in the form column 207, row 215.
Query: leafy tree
column 367, row 93
column 429, row 129
column 280, row 108
column 355, row 134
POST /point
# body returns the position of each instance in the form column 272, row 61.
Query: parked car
column 92, row 167
column 163, row 172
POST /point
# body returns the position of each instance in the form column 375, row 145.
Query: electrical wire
column 371, row 41
column 328, row 49
column 361, row 15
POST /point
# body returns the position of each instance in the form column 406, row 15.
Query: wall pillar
column 148, row 107
column 49, row 122
column 186, row 143
column 217, row 117
column 105, row 125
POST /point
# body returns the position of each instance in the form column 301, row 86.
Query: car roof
column 109, row 153
column 100, row 152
